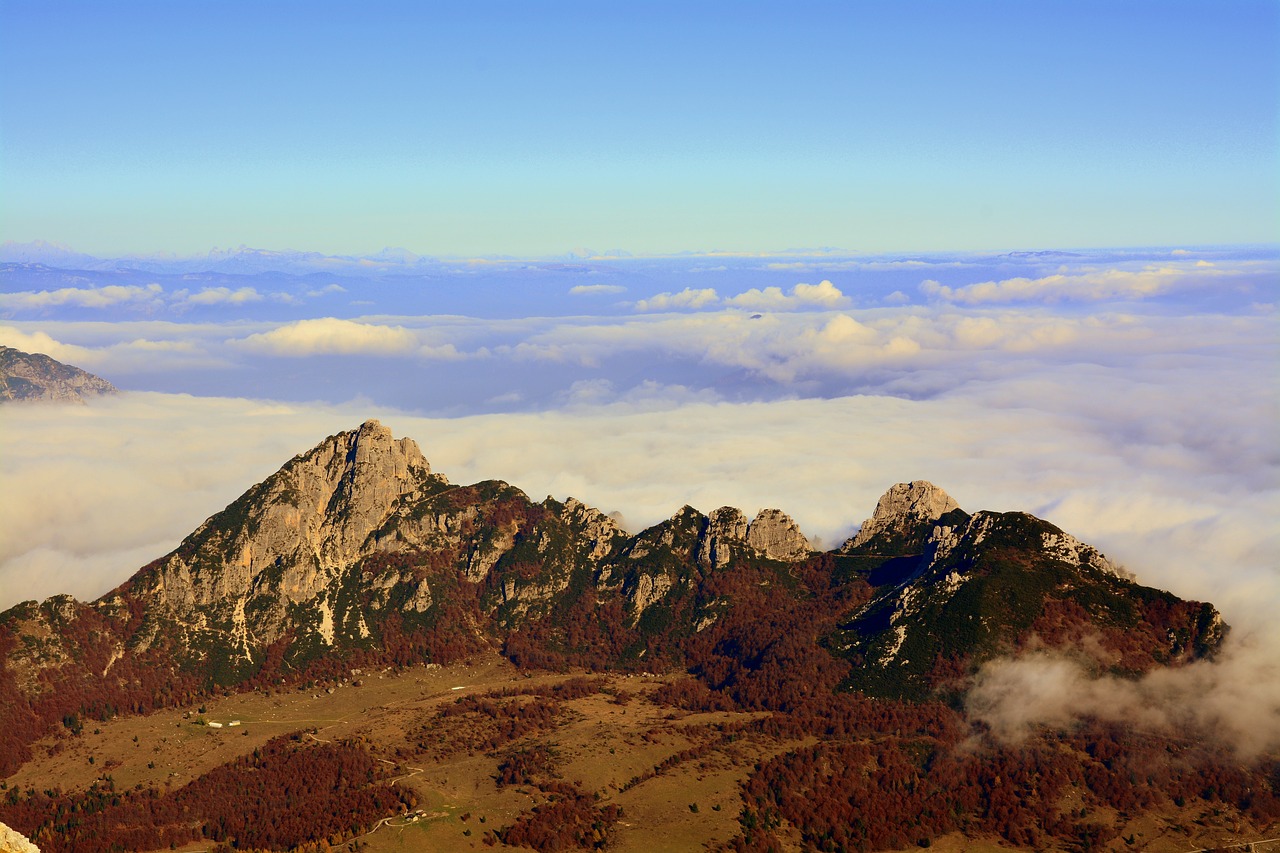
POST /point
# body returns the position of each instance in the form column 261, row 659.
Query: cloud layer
column 1088, row 286
column 1233, row 700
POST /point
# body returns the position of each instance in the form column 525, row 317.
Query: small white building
column 215, row 725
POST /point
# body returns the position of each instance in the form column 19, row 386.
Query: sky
column 536, row 128
column 650, row 254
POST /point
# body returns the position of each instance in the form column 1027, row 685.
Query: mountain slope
column 33, row 376
column 996, row 583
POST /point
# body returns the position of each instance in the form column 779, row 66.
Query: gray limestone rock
column 900, row 514
column 774, row 534
column 34, row 376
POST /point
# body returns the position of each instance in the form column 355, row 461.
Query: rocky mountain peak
column 903, row 518
column 776, row 535
column 34, row 376
column 308, row 521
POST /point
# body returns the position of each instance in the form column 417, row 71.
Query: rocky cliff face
column 33, row 376
column 292, row 556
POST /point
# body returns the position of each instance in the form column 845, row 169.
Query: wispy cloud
column 1234, row 699
column 1087, row 286
column 595, row 289
column 82, row 297
column 219, row 296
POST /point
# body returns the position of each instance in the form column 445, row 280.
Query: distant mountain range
column 242, row 260
column 33, row 376
column 357, row 554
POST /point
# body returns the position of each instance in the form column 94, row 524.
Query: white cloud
column 332, row 336
column 594, row 289
column 42, row 342
column 1086, row 286
column 223, row 296
column 823, row 295
column 692, row 298
column 1234, row 699
column 130, row 355
column 82, row 297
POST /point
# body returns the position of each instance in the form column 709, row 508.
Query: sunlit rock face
column 12, row 841
column 309, row 520
column 774, row 534
column 903, row 519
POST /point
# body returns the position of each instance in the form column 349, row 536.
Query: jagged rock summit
column 297, row 530
column 903, row 518
column 35, row 376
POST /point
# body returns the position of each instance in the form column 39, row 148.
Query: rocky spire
column 903, row 519
column 774, row 534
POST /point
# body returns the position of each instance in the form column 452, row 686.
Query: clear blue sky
column 534, row 128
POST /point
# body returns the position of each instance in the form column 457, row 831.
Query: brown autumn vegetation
column 280, row 797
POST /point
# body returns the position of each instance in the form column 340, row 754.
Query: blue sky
column 534, row 128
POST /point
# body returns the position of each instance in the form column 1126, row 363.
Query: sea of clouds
column 1132, row 401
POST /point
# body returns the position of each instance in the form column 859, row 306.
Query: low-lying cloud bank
column 1093, row 285
column 1233, row 700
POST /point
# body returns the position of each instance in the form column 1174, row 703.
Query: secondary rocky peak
column 903, row 518
column 372, row 442
column 776, row 535
column 725, row 526
column 772, row 534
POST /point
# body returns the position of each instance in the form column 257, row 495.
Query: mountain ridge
column 355, row 550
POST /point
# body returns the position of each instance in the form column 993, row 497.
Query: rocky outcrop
column 12, row 841
column 903, row 519
column 306, row 523
column 726, row 527
column 774, row 534
column 598, row 531
column 34, row 376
